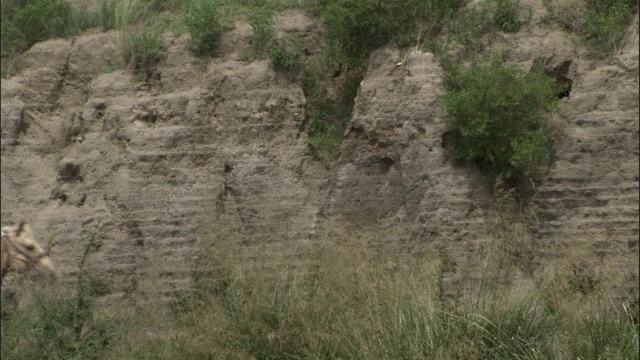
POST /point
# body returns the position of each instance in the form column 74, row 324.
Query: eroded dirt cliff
column 84, row 144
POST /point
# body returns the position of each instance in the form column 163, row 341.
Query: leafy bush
column 203, row 22
column 327, row 117
column 26, row 22
column 508, row 15
column 285, row 52
column 498, row 116
column 605, row 23
column 264, row 33
column 127, row 13
column 357, row 27
column 601, row 24
column 108, row 15
column 148, row 51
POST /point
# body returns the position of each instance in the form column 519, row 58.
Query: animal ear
column 24, row 230
column 20, row 227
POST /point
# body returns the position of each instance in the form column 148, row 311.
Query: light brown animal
column 20, row 251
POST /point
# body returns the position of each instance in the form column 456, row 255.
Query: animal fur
column 20, row 251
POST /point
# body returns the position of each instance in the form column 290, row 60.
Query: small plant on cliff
column 264, row 33
column 357, row 27
column 285, row 52
column 202, row 20
column 26, row 22
column 148, row 52
column 127, row 13
column 606, row 22
column 498, row 117
column 601, row 24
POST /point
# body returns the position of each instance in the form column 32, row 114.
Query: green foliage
column 108, row 15
column 606, row 22
column 26, row 22
column 285, row 52
column 148, row 51
column 498, row 116
column 60, row 326
column 328, row 117
column 127, row 14
column 203, row 21
column 357, row 27
column 507, row 15
column 264, row 33
column 601, row 24
column 80, row 20
column 350, row 295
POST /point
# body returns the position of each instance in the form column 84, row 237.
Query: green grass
column 202, row 19
column 26, row 22
column 600, row 24
column 56, row 325
column 348, row 294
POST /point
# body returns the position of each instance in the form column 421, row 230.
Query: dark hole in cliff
column 385, row 165
column 562, row 75
column 564, row 87
column 58, row 194
column 100, row 110
column 70, row 172
column 228, row 168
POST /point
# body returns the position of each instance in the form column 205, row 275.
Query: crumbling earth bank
column 85, row 143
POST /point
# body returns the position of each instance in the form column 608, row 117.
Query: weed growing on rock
column 606, row 22
column 127, row 13
column 203, row 21
column 26, row 22
column 285, row 52
column 264, row 33
column 357, row 27
column 508, row 15
column 148, row 52
column 108, row 15
column 601, row 24
column 498, row 117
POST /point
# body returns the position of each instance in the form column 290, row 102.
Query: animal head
column 20, row 251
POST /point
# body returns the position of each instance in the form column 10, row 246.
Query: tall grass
column 127, row 13
column 345, row 294
column 353, row 294
column 56, row 324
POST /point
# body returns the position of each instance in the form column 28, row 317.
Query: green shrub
column 148, row 51
column 26, row 22
column 327, row 117
column 357, row 27
column 285, row 52
column 108, row 15
column 606, row 22
column 498, row 116
column 601, row 24
column 264, row 33
column 508, row 15
column 202, row 20
column 80, row 20
column 127, row 14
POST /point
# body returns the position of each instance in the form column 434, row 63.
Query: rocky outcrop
column 86, row 146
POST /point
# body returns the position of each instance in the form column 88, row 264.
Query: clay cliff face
column 84, row 143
